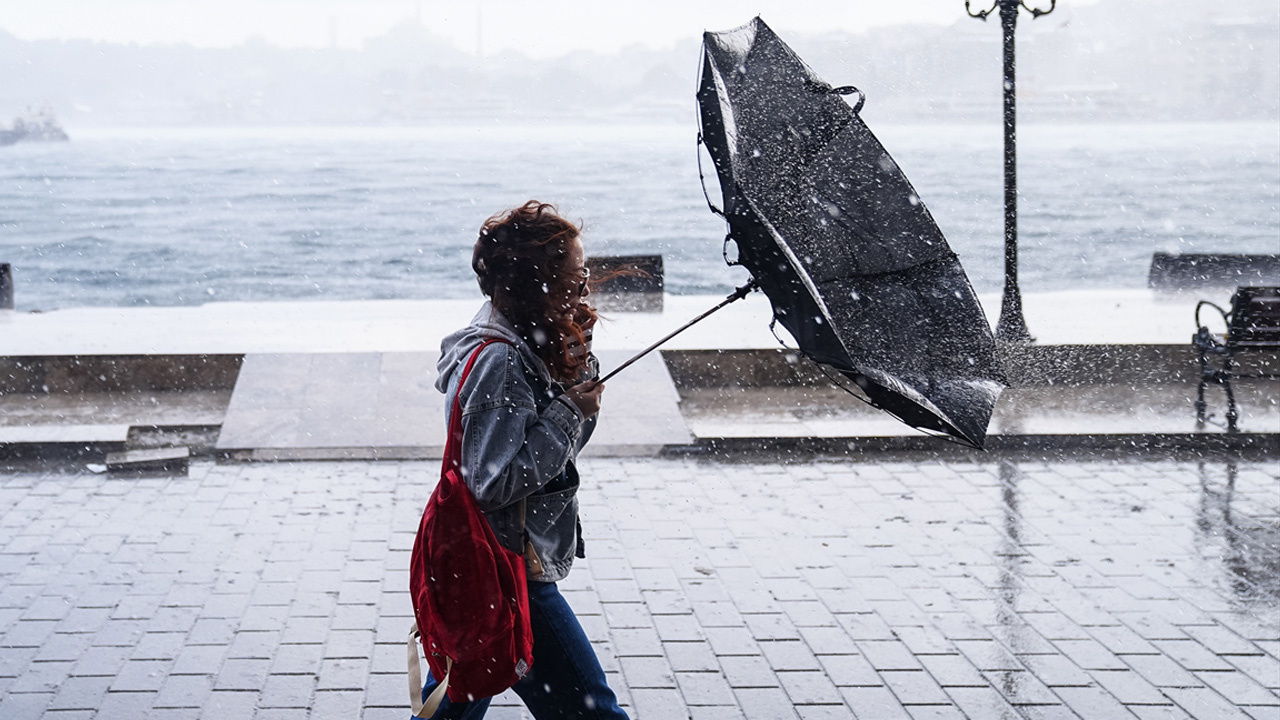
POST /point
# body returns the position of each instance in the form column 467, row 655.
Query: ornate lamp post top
column 1006, row 5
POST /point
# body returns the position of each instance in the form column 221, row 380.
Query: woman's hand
column 586, row 396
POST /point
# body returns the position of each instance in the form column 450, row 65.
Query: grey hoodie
column 520, row 438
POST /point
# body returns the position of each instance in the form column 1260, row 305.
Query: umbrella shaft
column 734, row 296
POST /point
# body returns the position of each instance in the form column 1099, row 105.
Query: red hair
column 521, row 261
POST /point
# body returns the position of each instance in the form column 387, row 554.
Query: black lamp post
column 1012, row 326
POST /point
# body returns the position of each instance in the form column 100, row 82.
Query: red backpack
column 470, row 597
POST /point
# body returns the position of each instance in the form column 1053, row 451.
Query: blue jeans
column 566, row 680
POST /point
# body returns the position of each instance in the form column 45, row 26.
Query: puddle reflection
column 1247, row 547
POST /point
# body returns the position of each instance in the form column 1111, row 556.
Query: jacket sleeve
column 510, row 449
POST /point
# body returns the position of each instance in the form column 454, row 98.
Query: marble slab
column 385, row 405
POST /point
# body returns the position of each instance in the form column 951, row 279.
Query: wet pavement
column 868, row 587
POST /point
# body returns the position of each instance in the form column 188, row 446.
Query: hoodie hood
column 488, row 323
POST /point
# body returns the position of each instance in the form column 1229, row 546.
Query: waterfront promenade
column 801, row 587
column 760, row 545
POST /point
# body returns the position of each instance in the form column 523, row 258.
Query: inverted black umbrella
column 833, row 233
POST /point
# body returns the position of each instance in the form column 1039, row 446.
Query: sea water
column 183, row 216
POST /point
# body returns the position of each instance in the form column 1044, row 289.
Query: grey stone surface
column 821, row 588
column 1096, row 409
column 385, row 406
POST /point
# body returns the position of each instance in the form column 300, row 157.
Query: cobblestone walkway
column 828, row 589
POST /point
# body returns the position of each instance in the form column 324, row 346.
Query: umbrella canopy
column 832, row 231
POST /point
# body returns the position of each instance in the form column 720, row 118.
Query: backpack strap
column 424, row 709
column 453, row 446
column 453, row 451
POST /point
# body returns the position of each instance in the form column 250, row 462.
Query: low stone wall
column 118, row 373
column 1064, row 365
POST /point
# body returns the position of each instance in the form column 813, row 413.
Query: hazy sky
column 540, row 28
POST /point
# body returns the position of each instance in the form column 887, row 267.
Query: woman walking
column 528, row 407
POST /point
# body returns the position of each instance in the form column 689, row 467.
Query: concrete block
column 170, row 459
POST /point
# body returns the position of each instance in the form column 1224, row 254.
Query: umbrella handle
column 732, row 297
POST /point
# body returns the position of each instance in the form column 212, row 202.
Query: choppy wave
column 179, row 217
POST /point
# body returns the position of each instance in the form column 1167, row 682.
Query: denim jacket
column 520, row 438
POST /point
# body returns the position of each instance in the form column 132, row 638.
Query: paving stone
column 159, row 646
column 889, row 655
column 1204, row 703
column 229, row 704
column 1123, row 641
column 383, row 690
column 102, row 661
column 80, row 693
column 127, row 704
column 352, row 644
column 647, row 672
column 213, row 631
column 343, row 674
column 659, row 602
column 14, row 661
column 242, row 674
column 1021, row 687
column 141, row 676
column 1092, row 702
column 983, row 702
column 1221, row 641
column 1090, row 655
column 748, row 671
column 30, row 633
column 1129, row 687
column 717, row 614
column 704, row 688
column 659, row 703
column 291, row 691
column 809, row 688
column 40, row 677
column 874, row 702
column 850, row 670
column 765, row 704
column 914, row 687
column 678, row 628
column 695, row 656
column 200, row 660
column 953, row 671
column 1191, row 655
column 732, row 641
column 24, row 706
column 1262, row 668
column 184, row 691
column 828, row 641
column 789, row 655
column 637, row 642
column 771, row 626
column 1056, row 670
column 1239, row 688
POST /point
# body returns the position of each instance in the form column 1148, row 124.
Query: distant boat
column 41, row 127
